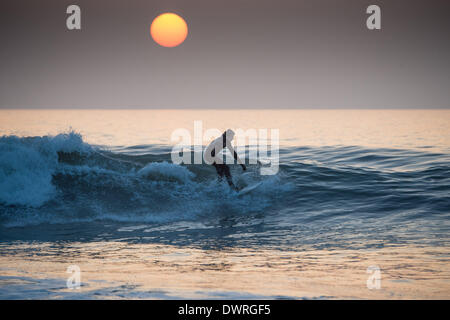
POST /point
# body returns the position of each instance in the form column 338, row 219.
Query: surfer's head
column 229, row 134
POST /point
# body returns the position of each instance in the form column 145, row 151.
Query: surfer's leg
column 219, row 169
column 226, row 171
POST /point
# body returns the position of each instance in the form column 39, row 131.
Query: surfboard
column 249, row 188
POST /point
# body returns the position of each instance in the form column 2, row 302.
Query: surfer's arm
column 235, row 155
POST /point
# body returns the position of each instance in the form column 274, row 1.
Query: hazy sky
column 238, row 54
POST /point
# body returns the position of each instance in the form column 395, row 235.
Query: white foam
column 166, row 171
column 27, row 165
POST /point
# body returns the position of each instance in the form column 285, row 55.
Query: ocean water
column 97, row 189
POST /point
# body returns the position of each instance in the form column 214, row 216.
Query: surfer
column 212, row 151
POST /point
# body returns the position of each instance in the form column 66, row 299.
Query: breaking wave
column 62, row 179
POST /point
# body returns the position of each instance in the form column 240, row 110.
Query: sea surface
column 355, row 191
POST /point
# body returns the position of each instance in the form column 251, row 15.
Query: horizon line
column 221, row 109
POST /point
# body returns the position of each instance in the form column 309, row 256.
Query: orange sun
column 169, row 30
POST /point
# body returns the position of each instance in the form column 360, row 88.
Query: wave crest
column 27, row 165
column 166, row 172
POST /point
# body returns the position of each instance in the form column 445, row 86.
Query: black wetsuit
column 223, row 169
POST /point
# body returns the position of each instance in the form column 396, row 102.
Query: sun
column 169, row 30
